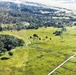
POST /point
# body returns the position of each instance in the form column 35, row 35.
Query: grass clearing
column 41, row 56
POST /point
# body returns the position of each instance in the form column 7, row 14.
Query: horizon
column 69, row 4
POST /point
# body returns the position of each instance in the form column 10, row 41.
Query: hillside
column 43, row 54
column 37, row 39
column 30, row 15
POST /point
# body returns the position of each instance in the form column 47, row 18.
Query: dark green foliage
column 8, row 42
column 31, row 15
column 20, row 42
column 4, row 50
column 57, row 33
column 74, row 24
column 30, row 37
column 35, row 35
column 10, row 53
column 1, row 28
column 50, row 38
column 40, row 56
column 46, row 37
column 4, row 58
column 39, row 38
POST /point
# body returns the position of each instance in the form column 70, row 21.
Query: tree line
column 8, row 42
column 29, row 14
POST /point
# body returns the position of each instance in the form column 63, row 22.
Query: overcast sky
column 70, row 4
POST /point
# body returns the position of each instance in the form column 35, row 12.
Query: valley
column 42, row 55
column 36, row 39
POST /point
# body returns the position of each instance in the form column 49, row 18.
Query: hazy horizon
column 70, row 4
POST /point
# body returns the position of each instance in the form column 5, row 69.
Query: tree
column 50, row 38
column 4, row 50
column 35, row 35
column 57, row 33
column 10, row 53
column 30, row 37
column 74, row 24
column 1, row 46
column 1, row 28
column 46, row 37
column 39, row 38
column 8, row 42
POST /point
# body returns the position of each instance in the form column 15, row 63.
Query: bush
column 1, row 28
column 46, row 37
column 50, row 38
column 30, row 37
column 4, row 58
column 57, row 33
column 35, row 35
column 10, row 53
column 39, row 38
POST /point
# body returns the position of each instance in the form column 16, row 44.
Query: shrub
column 30, row 37
column 35, row 35
column 4, row 58
column 57, row 33
column 46, row 37
column 39, row 38
column 10, row 53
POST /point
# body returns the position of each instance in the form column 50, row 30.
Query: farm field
column 41, row 56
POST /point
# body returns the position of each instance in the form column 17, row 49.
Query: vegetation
column 9, row 42
column 31, row 17
column 57, row 33
column 33, row 43
column 42, row 57
column 10, row 53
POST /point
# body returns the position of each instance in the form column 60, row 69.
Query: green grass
column 42, row 56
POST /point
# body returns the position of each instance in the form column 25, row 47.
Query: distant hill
column 34, row 14
column 32, row 7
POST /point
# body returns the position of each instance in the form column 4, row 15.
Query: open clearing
column 41, row 56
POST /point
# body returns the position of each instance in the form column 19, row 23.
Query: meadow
column 42, row 55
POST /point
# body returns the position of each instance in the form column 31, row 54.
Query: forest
column 15, row 17
column 8, row 42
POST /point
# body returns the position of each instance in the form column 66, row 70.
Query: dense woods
column 8, row 42
column 31, row 17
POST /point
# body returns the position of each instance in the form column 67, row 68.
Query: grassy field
column 41, row 56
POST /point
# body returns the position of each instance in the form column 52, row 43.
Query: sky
column 70, row 4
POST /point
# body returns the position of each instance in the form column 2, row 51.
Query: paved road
column 61, row 64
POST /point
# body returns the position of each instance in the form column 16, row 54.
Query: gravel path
column 61, row 64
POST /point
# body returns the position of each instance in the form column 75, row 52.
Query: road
column 61, row 64
column 29, row 42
